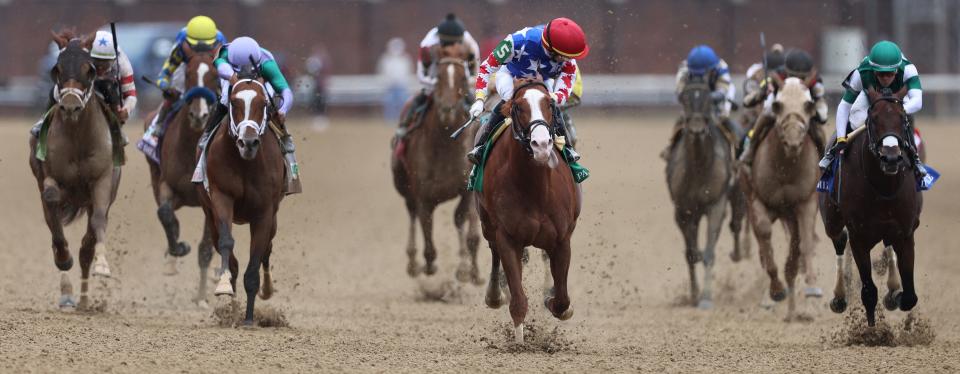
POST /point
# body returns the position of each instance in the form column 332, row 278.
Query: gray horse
column 699, row 171
column 79, row 172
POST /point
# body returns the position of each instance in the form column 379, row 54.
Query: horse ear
column 187, row 51
column 777, row 107
column 811, row 78
column 778, row 80
column 872, row 94
column 87, row 41
column 61, row 41
column 902, row 93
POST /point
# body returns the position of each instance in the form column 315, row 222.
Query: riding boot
column 816, row 135
column 918, row 166
column 569, row 153
column 759, row 131
column 35, row 130
column 674, row 135
column 485, row 131
column 831, row 154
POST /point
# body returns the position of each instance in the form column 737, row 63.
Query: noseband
column 237, row 128
column 521, row 134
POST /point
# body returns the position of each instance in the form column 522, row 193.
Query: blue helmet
column 701, row 59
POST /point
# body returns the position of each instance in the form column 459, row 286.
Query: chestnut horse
column 75, row 169
column 246, row 179
column 429, row 169
column 782, row 185
column 170, row 178
column 529, row 197
column 876, row 200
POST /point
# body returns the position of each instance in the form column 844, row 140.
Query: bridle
column 521, row 134
column 872, row 140
column 237, row 128
column 81, row 94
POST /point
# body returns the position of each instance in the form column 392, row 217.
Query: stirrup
column 474, row 155
column 826, row 161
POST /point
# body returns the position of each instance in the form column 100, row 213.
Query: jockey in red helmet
column 549, row 51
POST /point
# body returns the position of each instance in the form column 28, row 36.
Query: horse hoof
column 906, row 302
column 494, row 302
column 892, row 300
column 180, row 250
column 65, row 265
column 838, row 305
column 248, row 324
column 563, row 316
column 413, row 270
column 224, row 287
column 463, row 274
column 430, row 269
column 518, row 334
column 84, row 303
column 813, row 292
column 705, row 304
column 100, row 267
column 266, row 293
column 67, row 303
column 51, row 195
column 170, row 268
column 778, row 296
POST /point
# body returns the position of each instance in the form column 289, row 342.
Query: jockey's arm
column 127, row 87
column 913, row 102
column 224, row 69
column 681, row 78
column 424, row 60
column 725, row 87
column 564, row 82
column 169, row 66
column 270, row 71
column 474, row 49
column 852, row 86
column 502, row 53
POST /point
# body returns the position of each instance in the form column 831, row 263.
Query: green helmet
column 885, row 57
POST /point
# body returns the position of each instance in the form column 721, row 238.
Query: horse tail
column 69, row 211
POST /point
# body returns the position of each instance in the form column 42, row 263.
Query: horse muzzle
column 891, row 156
column 248, row 147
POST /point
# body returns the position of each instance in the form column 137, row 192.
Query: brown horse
column 246, row 178
column 529, row 198
column 699, row 171
column 782, row 185
column 429, row 169
column 876, row 200
column 170, row 178
column 78, row 173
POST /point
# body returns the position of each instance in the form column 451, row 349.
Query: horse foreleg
column 494, row 297
column 51, row 214
column 425, row 214
column 791, row 269
column 459, row 220
column 839, row 302
column 510, row 257
column 868, row 293
column 893, row 278
column 204, row 255
column 413, row 269
column 737, row 212
column 171, row 227
column 473, row 241
column 103, row 193
column 806, row 222
column 87, row 251
column 689, row 225
column 267, row 290
column 260, row 237
column 558, row 302
column 762, row 229
column 222, row 209
column 714, row 225
column 905, row 255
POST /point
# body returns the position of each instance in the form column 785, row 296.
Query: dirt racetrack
column 339, row 268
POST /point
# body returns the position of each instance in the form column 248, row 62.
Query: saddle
column 113, row 123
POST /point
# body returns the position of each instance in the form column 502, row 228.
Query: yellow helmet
column 201, row 29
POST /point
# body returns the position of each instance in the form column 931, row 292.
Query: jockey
column 449, row 32
column 232, row 58
column 548, row 51
column 754, row 87
column 120, row 96
column 200, row 34
column 703, row 64
column 885, row 69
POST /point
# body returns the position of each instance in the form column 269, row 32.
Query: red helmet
column 565, row 37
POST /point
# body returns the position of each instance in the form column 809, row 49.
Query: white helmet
column 103, row 46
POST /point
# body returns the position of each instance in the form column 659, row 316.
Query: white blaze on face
column 540, row 140
column 247, row 97
column 202, row 72
column 891, row 141
column 450, row 75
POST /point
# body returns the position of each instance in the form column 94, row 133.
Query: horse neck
column 522, row 166
column 187, row 137
column 699, row 150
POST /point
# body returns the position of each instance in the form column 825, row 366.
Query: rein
column 520, row 134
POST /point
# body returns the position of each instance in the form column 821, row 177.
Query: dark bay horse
column 429, row 169
column 529, row 198
column 171, row 177
column 782, row 185
column 78, row 173
column 699, row 172
column 246, row 179
column 876, row 200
